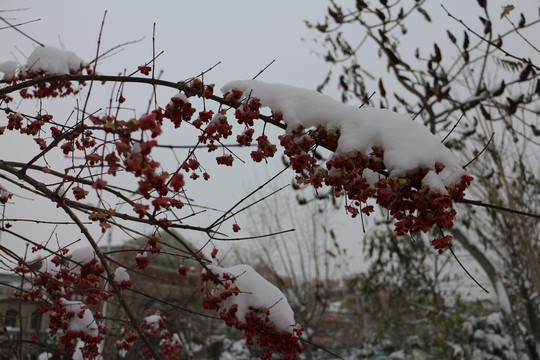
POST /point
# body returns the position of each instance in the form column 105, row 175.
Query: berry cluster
column 54, row 287
column 360, row 177
column 154, row 327
column 50, row 89
column 102, row 146
column 257, row 327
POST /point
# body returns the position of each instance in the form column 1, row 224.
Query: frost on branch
column 378, row 154
column 247, row 301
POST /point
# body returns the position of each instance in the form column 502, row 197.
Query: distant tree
column 478, row 88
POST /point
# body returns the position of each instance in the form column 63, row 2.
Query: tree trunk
column 522, row 351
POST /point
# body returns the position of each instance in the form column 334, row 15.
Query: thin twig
column 486, row 40
column 520, row 35
column 219, row 220
column 19, row 24
column 366, row 101
column 94, row 70
column 266, row 67
column 255, row 236
column 256, row 202
column 116, row 47
column 188, row 80
column 453, row 128
column 467, row 272
column 45, row 222
column 154, row 63
column 146, row 64
column 497, row 207
column 23, row 33
column 480, row 153
column 419, row 112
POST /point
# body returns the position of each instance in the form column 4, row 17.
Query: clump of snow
column 78, row 257
column 9, row 68
column 83, row 320
column 433, row 181
column 180, row 96
column 4, row 193
column 62, row 191
column 53, row 60
column 495, row 321
column 407, row 145
column 121, row 275
column 502, row 296
column 78, row 355
column 81, row 256
column 136, row 148
column 45, row 356
column 233, row 350
column 153, row 320
column 217, row 117
column 257, row 293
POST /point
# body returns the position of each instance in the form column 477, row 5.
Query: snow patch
column 121, row 275
column 180, row 96
column 257, row 293
column 9, row 68
column 153, row 320
column 81, row 256
column 407, row 144
column 45, row 356
column 53, row 60
column 83, row 320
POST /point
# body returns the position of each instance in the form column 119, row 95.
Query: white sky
column 244, row 35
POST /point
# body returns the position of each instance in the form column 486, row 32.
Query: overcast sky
column 244, row 35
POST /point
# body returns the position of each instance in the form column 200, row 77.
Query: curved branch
column 62, row 203
column 220, row 100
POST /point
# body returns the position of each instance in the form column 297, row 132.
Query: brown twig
column 181, row 86
column 18, row 30
column 453, row 128
column 487, row 41
column 255, row 236
column 481, row 151
column 220, row 219
column 19, row 24
column 266, row 67
column 64, row 205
